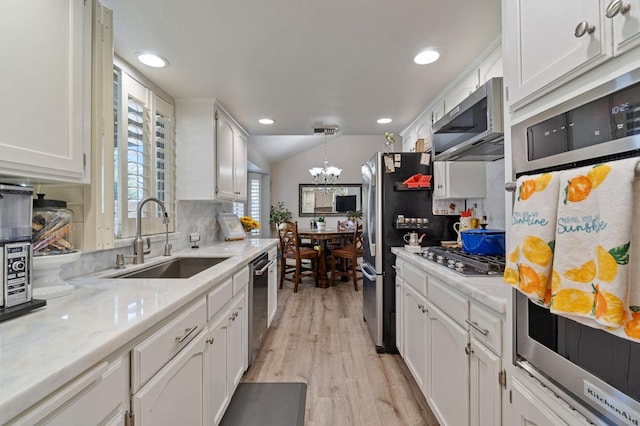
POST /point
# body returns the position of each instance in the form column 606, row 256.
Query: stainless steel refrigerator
column 384, row 198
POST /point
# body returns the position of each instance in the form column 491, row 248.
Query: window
column 254, row 201
column 144, row 157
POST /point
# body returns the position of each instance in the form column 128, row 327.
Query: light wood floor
column 319, row 337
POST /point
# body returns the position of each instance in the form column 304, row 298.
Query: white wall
column 346, row 152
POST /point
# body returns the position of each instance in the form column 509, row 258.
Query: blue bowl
column 488, row 242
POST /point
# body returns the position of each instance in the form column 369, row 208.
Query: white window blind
column 254, row 202
column 145, row 159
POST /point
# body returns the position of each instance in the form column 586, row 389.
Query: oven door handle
column 475, row 325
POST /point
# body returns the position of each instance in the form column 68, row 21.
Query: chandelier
column 327, row 174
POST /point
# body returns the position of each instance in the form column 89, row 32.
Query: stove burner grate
column 465, row 263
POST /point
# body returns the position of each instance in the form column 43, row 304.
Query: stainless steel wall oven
column 598, row 369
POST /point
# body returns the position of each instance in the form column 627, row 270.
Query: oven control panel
column 16, row 271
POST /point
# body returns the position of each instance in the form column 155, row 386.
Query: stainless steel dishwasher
column 258, row 299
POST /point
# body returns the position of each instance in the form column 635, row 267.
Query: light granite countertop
column 488, row 290
column 43, row 350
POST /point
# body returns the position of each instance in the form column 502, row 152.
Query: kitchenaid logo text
column 611, row 405
column 588, row 224
column 528, row 218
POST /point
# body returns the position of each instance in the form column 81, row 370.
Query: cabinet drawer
column 240, row 280
column 415, row 278
column 91, row 397
column 149, row 356
column 451, row 303
column 218, row 297
column 486, row 328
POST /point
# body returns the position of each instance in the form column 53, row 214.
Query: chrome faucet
column 138, row 244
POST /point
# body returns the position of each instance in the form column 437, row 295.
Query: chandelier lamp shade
column 327, row 174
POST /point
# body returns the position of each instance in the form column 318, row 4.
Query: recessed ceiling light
column 426, row 57
column 384, row 120
column 152, row 60
column 266, row 121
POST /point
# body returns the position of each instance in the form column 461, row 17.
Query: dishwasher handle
column 262, row 270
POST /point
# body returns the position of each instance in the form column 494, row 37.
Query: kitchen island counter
column 43, row 350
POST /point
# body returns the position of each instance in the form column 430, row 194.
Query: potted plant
column 321, row 224
column 354, row 215
column 279, row 213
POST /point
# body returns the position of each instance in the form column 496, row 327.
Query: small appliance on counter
column 16, row 252
column 52, row 238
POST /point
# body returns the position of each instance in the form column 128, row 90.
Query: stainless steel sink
column 180, row 267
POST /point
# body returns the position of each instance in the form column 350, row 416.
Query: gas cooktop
column 465, row 263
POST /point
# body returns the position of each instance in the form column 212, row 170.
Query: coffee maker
column 15, row 249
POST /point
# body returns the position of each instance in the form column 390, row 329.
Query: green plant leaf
column 621, row 254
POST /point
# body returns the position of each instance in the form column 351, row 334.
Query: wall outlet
column 194, row 236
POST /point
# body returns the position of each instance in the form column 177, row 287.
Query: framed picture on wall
column 231, row 227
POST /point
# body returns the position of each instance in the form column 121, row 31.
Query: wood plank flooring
column 319, row 337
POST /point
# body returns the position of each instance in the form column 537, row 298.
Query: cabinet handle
column 615, row 7
column 467, row 349
column 421, row 306
column 424, row 310
column 394, row 267
column 475, row 325
column 210, row 340
column 187, row 333
column 584, row 28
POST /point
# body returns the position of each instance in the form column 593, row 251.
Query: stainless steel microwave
column 473, row 129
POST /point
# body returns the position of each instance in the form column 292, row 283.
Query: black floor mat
column 267, row 404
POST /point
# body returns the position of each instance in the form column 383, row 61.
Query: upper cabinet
column 211, row 153
column 549, row 42
column 45, row 89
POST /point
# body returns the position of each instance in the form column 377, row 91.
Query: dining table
column 321, row 238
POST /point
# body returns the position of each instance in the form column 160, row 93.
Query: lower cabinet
column 415, row 331
column 527, row 409
column 399, row 313
column 452, row 346
column 175, row 395
column 448, row 369
column 485, row 395
column 99, row 396
column 226, row 358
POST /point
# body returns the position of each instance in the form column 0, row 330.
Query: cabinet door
column 175, row 395
column 448, row 379
column 45, row 87
column 237, row 341
column 536, row 25
column 225, row 140
column 415, row 344
column 400, row 315
column 240, row 167
column 626, row 27
column 218, row 395
column 485, row 391
column 461, row 179
column 527, row 409
column 272, row 298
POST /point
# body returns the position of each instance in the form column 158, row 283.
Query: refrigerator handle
column 371, row 276
column 370, row 182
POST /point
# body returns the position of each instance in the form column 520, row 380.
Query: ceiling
column 306, row 63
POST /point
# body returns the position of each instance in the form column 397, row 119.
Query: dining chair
column 305, row 258
column 350, row 253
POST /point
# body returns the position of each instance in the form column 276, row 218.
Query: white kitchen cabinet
column 99, row 396
column 527, row 409
column 399, row 266
column 415, row 332
column 211, row 153
column 272, row 298
column 176, row 394
column 484, row 387
column 533, row 26
column 45, row 112
column 459, row 179
column 626, row 31
column 228, row 339
column 448, row 379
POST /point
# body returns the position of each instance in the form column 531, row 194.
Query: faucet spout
column 138, row 243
